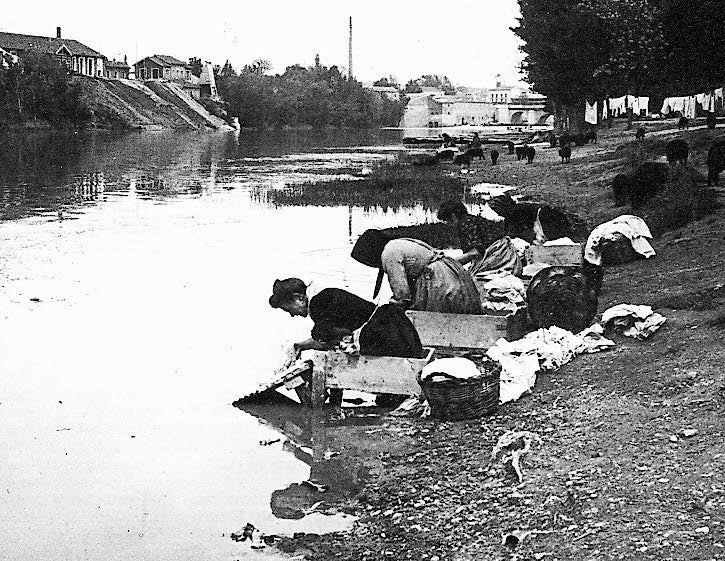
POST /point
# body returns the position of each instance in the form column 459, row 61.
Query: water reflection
column 335, row 475
column 44, row 171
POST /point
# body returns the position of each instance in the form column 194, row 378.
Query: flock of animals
column 636, row 187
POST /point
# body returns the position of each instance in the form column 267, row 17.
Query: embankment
column 145, row 105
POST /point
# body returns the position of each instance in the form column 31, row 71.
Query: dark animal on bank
column 494, row 157
column 463, row 159
column 646, row 181
column 620, row 189
column 519, row 219
column 424, row 159
column 711, row 120
column 639, row 135
column 591, row 136
column 521, row 152
column 715, row 161
column 446, row 154
column 530, row 153
column 677, row 151
column 683, row 123
column 475, row 153
column 510, row 146
column 565, row 154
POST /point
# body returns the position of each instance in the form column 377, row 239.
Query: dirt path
column 631, row 460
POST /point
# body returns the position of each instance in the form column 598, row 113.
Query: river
column 134, row 277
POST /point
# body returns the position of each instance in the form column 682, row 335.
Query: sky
column 468, row 41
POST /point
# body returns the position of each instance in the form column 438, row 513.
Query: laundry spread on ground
column 544, row 349
column 636, row 321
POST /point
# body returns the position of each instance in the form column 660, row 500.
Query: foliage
column 578, row 49
column 695, row 40
column 317, row 96
column 389, row 82
column 430, row 81
column 196, row 66
column 40, row 87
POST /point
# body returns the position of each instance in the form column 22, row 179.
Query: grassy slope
column 607, row 482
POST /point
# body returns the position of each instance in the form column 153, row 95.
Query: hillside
column 152, row 105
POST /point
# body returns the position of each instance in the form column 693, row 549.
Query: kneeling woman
column 336, row 313
column 420, row 276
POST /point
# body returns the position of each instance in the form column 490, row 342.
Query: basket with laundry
column 461, row 387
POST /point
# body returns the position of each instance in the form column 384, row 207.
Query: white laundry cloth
column 605, row 109
column 503, row 293
column 643, row 104
column 455, row 367
column 617, row 104
column 639, row 321
column 560, row 241
column 633, row 227
column 590, row 112
column 690, row 107
column 672, row 104
column 546, row 349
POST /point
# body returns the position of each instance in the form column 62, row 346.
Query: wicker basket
column 453, row 399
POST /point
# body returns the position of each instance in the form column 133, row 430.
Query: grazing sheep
column 530, row 153
column 715, row 160
column 565, row 154
column 677, row 151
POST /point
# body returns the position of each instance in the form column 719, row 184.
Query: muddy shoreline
column 630, row 465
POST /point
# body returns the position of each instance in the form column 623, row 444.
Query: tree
column 41, row 87
column 317, row 96
column 695, row 46
column 413, row 87
column 260, row 67
column 196, row 66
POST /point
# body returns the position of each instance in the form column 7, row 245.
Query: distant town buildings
column 165, row 67
column 117, row 70
column 79, row 58
column 475, row 106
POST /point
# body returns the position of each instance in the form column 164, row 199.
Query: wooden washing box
column 466, row 331
column 566, row 255
column 373, row 374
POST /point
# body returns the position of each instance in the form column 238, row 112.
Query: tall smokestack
column 57, row 32
column 349, row 64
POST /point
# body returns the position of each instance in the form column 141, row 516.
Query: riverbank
column 630, row 465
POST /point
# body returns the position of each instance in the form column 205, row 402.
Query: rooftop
column 46, row 45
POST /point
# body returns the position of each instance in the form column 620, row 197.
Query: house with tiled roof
column 79, row 58
column 116, row 69
column 165, row 67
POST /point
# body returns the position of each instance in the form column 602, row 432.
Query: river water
column 134, row 277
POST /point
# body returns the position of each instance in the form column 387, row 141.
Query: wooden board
column 291, row 377
column 470, row 331
column 555, row 254
column 374, row 374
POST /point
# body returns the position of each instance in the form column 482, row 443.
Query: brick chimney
column 57, row 32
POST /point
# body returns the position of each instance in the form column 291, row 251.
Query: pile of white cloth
column 632, row 227
column 638, row 321
column 546, row 349
column 504, row 292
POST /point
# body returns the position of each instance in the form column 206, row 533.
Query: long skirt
column 445, row 286
column 499, row 256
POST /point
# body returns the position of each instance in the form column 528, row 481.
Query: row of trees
column 316, row 96
column 39, row 87
column 592, row 49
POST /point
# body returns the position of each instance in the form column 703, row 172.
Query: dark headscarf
column 368, row 250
